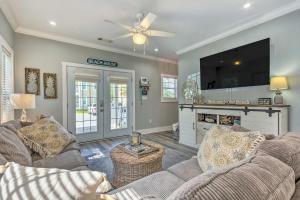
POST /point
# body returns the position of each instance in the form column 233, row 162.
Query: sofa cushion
column 12, row 125
column 296, row 195
column 238, row 128
column 12, row 148
column 19, row 182
column 286, row 148
column 66, row 160
column 259, row 177
column 3, row 160
column 46, row 136
column 222, row 146
column 159, row 185
column 186, row 170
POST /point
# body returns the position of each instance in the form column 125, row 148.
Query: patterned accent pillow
column 46, row 137
column 12, row 148
column 222, row 146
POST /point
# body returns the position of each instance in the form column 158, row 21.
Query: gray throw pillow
column 12, row 148
column 259, row 177
column 286, row 148
column 297, row 192
column 238, row 128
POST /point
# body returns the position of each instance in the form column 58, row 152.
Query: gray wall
column 47, row 55
column 285, row 60
column 5, row 30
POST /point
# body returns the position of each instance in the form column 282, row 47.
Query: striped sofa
column 271, row 173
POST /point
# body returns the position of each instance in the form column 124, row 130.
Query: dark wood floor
column 97, row 153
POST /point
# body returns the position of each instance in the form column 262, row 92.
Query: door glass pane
column 118, row 105
column 86, row 106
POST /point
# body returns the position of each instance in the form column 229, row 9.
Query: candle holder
column 135, row 138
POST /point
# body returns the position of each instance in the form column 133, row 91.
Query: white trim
column 65, row 89
column 168, row 100
column 5, row 7
column 70, row 40
column 6, row 45
column 155, row 130
column 264, row 18
column 10, row 50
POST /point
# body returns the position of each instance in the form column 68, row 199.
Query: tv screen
column 248, row 65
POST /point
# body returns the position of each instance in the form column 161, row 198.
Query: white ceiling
column 193, row 21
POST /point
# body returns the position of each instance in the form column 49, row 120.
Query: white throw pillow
column 27, row 183
column 222, row 146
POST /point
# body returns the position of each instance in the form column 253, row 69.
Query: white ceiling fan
column 140, row 31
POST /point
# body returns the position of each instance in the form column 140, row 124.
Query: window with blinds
column 168, row 88
column 6, row 79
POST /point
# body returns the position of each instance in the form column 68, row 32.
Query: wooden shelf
column 235, row 105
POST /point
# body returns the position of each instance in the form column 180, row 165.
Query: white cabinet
column 260, row 121
column 193, row 126
column 187, row 127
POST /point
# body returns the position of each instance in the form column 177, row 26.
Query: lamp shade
column 23, row 101
column 279, row 83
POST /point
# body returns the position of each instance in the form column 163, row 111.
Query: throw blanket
column 25, row 183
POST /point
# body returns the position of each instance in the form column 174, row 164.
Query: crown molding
column 70, row 40
column 5, row 7
column 262, row 19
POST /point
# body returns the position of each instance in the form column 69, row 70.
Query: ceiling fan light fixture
column 139, row 38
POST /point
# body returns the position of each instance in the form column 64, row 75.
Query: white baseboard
column 155, row 129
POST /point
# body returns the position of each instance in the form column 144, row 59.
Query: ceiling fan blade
column 105, row 40
column 156, row 33
column 148, row 20
column 123, row 36
column 120, row 25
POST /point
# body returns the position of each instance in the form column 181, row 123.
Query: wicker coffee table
column 127, row 168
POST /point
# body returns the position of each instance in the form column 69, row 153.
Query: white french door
column 99, row 103
column 117, row 104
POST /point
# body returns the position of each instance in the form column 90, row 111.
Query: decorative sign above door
column 94, row 61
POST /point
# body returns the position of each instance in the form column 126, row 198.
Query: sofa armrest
column 72, row 146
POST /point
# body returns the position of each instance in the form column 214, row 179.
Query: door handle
column 102, row 105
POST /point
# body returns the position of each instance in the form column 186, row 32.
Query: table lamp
column 23, row 101
column 278, row 83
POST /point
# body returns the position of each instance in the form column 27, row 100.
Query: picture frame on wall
column 32, row 81
column 50, row 85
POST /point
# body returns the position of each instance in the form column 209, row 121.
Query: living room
column 149, row 99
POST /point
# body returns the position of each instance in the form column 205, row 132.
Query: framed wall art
column 32, row 81
column 50, row 86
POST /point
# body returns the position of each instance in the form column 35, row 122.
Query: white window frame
column 164, row 99
column 6, row 46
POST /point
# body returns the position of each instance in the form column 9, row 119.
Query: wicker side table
column 127, row 168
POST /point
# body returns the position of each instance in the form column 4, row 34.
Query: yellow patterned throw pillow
column 222, row 146
column 46, row 137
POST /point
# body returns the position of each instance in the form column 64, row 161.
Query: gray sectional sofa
column 271, row 173
column 69, row 158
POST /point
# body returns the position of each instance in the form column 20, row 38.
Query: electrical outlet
column 150, row 121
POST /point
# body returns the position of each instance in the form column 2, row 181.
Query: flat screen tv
column 248, row 65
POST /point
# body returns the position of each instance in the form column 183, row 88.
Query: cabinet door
column 187, row 127
column 260, row 121
column 202, row 129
